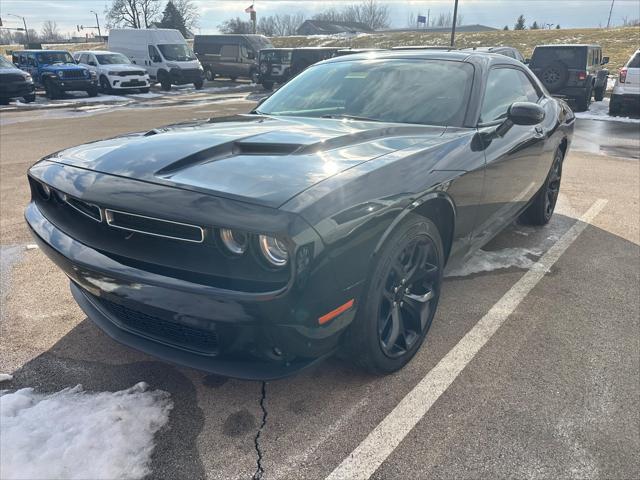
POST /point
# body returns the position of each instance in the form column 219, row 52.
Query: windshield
column 572, row 57
column 635, row 61
column 112, row 59
column 430, row 92
column 4, row 63
column 176, row 52
column 49, row 58
column 276, row 56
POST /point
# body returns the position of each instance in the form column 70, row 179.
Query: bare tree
column 50, row 31
column 412, row 20
column 370, row 12
column 236, row 25
column 331, row 15
column 189, row 12
column 132, row 13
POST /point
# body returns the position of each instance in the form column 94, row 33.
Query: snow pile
column 78, row 434
column 600, row 111
column 5, row 377
column 486, row 261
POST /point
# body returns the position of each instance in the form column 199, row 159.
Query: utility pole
column 455, row 20
column 428, row 15
column 610, row 10
column 97, row 24
column 24, row 22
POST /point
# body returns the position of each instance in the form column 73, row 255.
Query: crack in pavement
column 259, row 468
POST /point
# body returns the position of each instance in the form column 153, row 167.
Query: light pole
column 453, row 27
column 97, row 23
column 24, row 22
column 610, row 11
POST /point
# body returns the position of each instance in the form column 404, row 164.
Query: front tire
column 144, row 90
column 267, row 85
column 598, row 94
column 199, row 84
column 544, row 203
column 92, row 92
column 29, row 98
column 51, row 91
column 209, row 75
column 400, row 299
column 615, row 108
column 165, row 81
column 105, row 86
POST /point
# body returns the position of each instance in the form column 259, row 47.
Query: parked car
column 280, row 65
column 254, row 246
column 573, row 71
column 275, row 66
column 56, row 71
column 115, row 71
column 423, row 47
column 231, row 56
column 163, row 52
column 15, row 83
column 626, row 91
column 502, row 50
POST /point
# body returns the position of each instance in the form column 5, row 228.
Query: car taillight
column 622, row 77
column 582, row 75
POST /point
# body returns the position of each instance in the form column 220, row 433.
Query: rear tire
column 598, row 94
column 582, row 103
column 400, row 299
column 4, row 101
column 544, row 203
column 209, row 74
column 614, row 108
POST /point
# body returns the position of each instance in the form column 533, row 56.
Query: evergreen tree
column 520, row 23
column 506, row 27
column 558, row 27
column 535, row 26
column 171, row 18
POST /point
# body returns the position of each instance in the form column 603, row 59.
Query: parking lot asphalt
column 552, row 393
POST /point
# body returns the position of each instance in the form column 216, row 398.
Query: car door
column 154, row 61
column 229, row 60
column 515, row 161
column 91, row 62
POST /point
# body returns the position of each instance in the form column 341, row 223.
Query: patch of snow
column 600, row 111
column 79, row 434
column 487, row 261
column 5, row 377
column 31, row 246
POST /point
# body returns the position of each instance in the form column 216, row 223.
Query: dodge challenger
column 320, row 222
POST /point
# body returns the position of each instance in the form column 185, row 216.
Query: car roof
column 96, row 52
column 452, row 55
column 565, row 45
column 35, row 50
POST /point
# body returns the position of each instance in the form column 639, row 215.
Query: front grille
column 11, row 77
column 199, row 340
column 90, row 210
column 131, row 74
column 154, row 226
column 73, row 74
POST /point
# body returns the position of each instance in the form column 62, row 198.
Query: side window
column 31, row 60
column 243, row 51
column 229, row 51
column 83, row 58
column 504, row 87
column 154, row 55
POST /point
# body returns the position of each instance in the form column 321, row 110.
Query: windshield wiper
column 351, row 117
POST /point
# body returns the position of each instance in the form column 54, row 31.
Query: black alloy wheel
column 544, row 203
column 400, row 299
column 105, row 86
column 407, row 297
column 553, row 186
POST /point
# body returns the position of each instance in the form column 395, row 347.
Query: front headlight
column 112, row 74
column 60, row 73
column 28, row 78
column 235, row 241
column 273, row 250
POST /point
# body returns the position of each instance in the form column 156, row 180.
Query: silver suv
column 626, row 92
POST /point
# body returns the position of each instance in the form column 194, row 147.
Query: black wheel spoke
column 396, row 327
column 427, row 272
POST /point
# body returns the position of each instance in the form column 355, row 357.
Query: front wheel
column 614, row 108
column 29, row 98
column 105, row 86
column 199, row 84
column 401, row 298
column 51, row 91
column 4, row 101
column 209, row 75
column 144, row 90
column 165, row 81
column 267, row 85
column 92, row 92
column 582, row 103
column 544, row 203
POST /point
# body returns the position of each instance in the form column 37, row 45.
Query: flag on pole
column 422, row 19
column 250, row 9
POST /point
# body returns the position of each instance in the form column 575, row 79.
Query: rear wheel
column 209, row 75
column 401, row 298
column 598, row 94
column 614, row 107
column 541, row 210
column 582, row 103
column 4, row 101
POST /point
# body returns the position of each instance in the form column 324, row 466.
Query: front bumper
column 129, row 82
column 75, row 84
column 16, row 89
column 237, row 334
column 627, row 99
column 185, row 76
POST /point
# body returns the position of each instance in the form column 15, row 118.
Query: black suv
column 573, row 71
column 15, row 83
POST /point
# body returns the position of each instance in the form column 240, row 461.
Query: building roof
column 330, row 27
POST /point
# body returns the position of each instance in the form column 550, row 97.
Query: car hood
column 257, row 159
column 122, row 67
column 63, row 66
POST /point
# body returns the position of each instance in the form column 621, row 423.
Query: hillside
column 618, row 43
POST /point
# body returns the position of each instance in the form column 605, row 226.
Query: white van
column 162, row 51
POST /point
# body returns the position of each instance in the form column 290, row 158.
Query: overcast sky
column 495, row 13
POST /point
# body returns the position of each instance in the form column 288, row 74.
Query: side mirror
column 251, row 55
column 527, row 61
column 605, row 60
column 521, row 113
column 156, row 59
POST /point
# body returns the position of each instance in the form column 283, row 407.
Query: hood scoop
column 227, row 150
